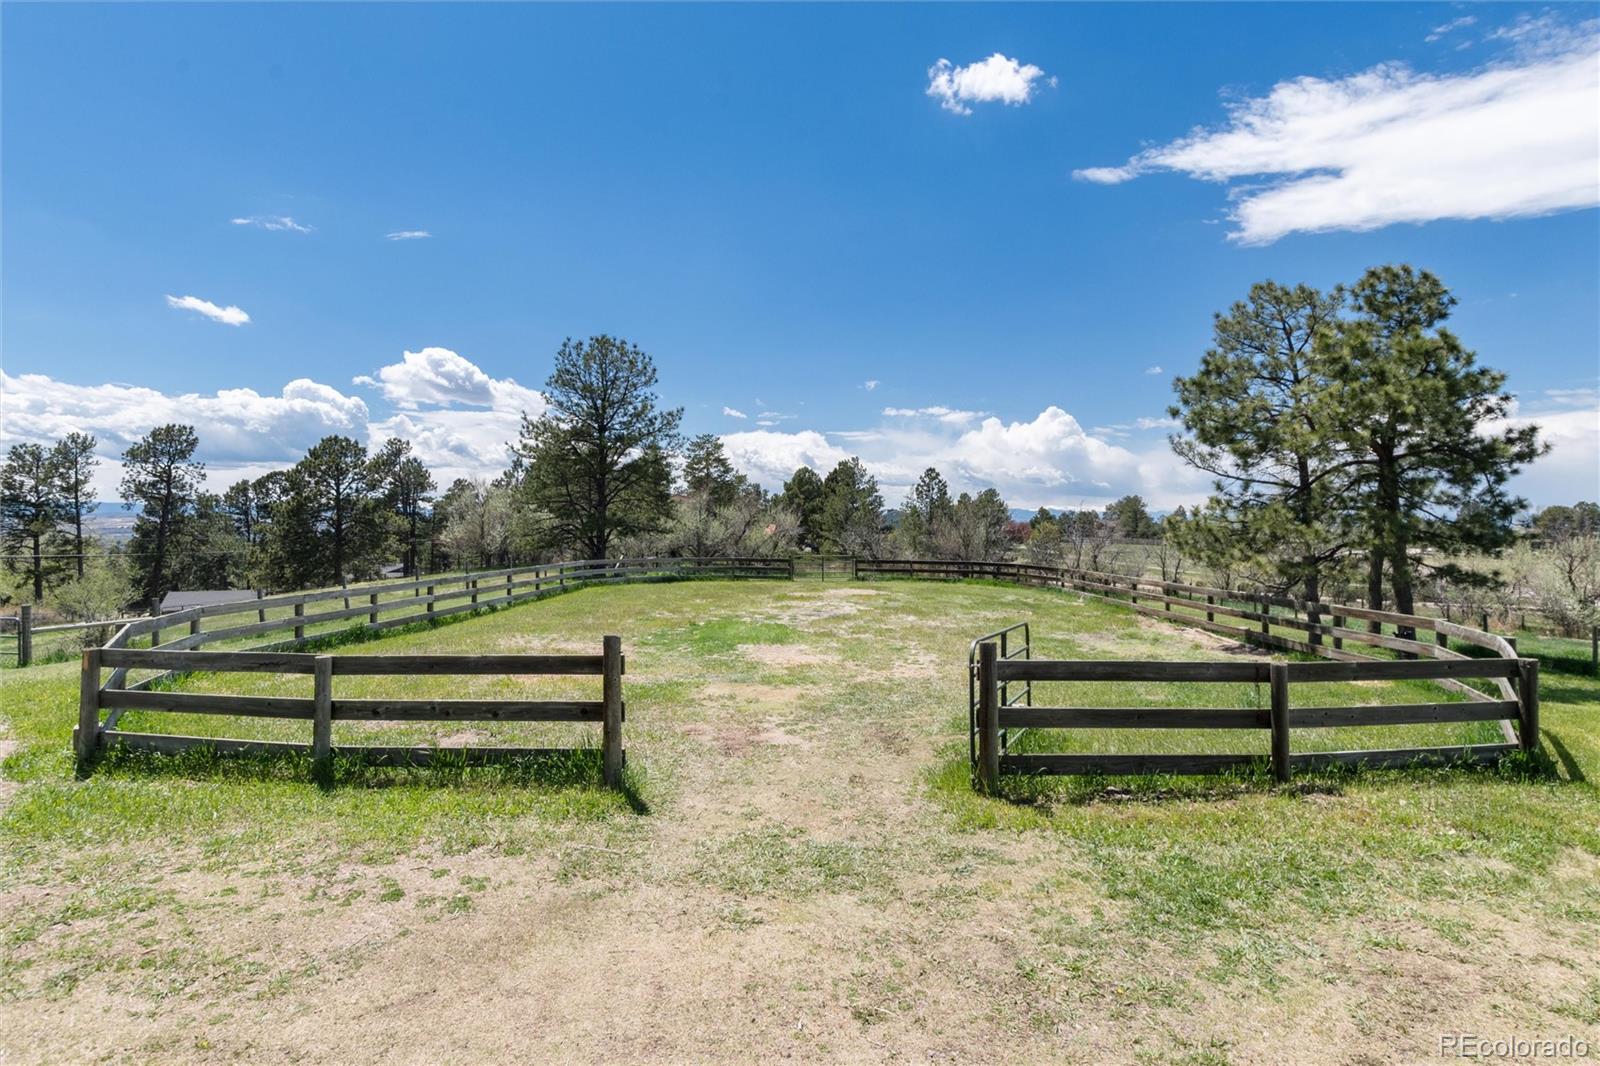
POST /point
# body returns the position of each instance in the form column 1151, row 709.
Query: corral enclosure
column 797, row 865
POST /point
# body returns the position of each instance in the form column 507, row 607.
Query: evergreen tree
column 803, row 495
column 597, row 460
column 1411, row 406
column 407, row 487
column 851, row 520
column 1255, row 418
column 74, row 461
column 706, row 470
column 338, row 476
column 31, row 506
column 160, row 477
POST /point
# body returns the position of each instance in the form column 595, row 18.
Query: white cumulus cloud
column 986, row 81
column 228, row 316
column 734, row 413
column 1390, row 145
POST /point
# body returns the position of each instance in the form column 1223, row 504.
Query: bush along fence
column 323, row 708
column 996, row 714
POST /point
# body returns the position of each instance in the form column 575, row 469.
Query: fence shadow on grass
column 548, row 772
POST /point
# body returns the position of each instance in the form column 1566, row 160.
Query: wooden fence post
column 472, row 584
column 1278, row 675
column 346, row 587
column 300, row 612
column 194, row 627
column 261, row 613
column 611, row 735
column 1266, row 616
column 1314, row 619
column 1594, row 648
column 372, row 601
column 1210, row 601
column 322, row 711
column 89, row 703
column 25, row 634
column 1528, row 691
column 430, row 601
column 1338, row 623
column 988, row 717
column 155, row 634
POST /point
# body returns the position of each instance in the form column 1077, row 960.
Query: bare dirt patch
column 785, row 655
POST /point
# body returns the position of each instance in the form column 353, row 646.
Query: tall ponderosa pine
column 597, row 461
column 75, row 462
column 1412, row 409
column 160, row 477
column 338, row 475
column 407, row 486
column 1255, row 418
column 30, row 509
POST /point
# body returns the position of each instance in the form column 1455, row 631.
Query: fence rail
column 994, row 715
column 323, row 707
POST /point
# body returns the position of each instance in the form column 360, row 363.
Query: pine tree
column 31, row 506
column 160, row 477
column 75, row 462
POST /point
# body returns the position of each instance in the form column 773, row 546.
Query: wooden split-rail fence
column 258, row 643
column 323, row 707
column 995, row 714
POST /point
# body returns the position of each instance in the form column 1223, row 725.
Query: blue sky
column 778, row 203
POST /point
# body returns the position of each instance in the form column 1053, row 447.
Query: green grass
column 798, row 770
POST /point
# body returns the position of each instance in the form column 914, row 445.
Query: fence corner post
column 988, row 717
column 87, row 736
column 611, row 726
column 1528, row 693
column 1278, row 675
column 322, row 712
column 25, row 634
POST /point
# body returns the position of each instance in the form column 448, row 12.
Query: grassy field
column 797, row 867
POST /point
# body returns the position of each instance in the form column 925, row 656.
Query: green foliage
column 596, row 462
column 30, row 508
column 707, row 471
column 851, row 519
column 803, row 495
column 1348, row 421
column 160, row 477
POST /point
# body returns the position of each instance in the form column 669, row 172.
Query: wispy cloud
column 272, row 222
column 870, row 385
column 948, row 415
column 732, row 413
column 407, row 235
column 228, row 316
column 1152, row 370
column 1389, row 145
column 986, row 81
column 1450, row 27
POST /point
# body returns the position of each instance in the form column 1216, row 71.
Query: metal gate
column 1010, row 648
column 824, row 567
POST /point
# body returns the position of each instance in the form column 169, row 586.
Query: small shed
column 183, row 600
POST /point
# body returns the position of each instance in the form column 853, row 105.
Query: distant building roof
column 182, row 601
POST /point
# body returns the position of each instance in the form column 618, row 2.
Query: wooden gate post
column 1278, row 675
column 25, row 634
column 88, row 737
column 1528, row 691
column 611, row 696
column 988, row 717
column 322, row 712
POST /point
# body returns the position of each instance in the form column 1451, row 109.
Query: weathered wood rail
column 995, row 715
column 323, row 707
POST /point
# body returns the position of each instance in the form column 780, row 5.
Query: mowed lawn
column 797, row 866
